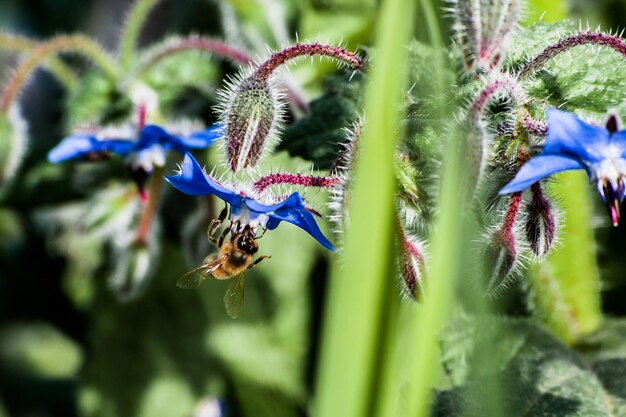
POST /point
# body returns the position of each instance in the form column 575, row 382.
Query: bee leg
column 262, row 234
column 222, row 237
column 215, row 223
column 255, row 263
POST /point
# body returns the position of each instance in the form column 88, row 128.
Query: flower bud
column 135, row 256
column 476, row 153
column 501, row 252
column 500, row 256
column 483, row 29
column 135, row 265
column 539, row 223
column 342, row 168
column 250, row 117
column 411, row 265
column 13, row 140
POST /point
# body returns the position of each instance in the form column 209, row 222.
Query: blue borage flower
column 573, row 144
column 142, row 155
column 244, row 209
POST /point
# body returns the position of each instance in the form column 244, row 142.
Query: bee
column 235, row 256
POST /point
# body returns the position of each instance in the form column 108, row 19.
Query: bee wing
column 195, row 277
column 233, row 300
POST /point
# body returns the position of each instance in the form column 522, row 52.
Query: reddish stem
column 142, row 114
column 295, row 179
column 77, row 44
column 150, row 207
column 490, row 91
column 583, row 38
column 511, row 214
column 534, row 126
column 265, row 70
column 209, row 45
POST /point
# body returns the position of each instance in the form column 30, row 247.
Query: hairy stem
column 505, row 83
column 218, row 48
column 132, row 26
column 295, row 179
column 212, row 46
column 57, row 68
column 64, row 43
column 511, row 214
column 147, row 216
column 563, row 45
column 534, row 126
column 267, row 68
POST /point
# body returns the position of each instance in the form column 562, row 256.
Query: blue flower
column 142, row 155
column 86, row 146
column 245, row 210
column 573, row 144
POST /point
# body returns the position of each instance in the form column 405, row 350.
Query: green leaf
column 569, row 78
column 183, row 82
column 96, row 100
column 316, row 136
column 40, row 350
column 540, row 375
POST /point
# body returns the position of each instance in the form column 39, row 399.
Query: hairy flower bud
column 135, row 265
column 342, row 168
column 501, row 252
column 539, row 223
column 483, row 28
column 251, row 114
column 411, row 265
column 13, row 138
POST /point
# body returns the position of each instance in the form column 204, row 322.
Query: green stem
column 64, row 43
column 56, row 67
column 132, row 26
column 354, row 316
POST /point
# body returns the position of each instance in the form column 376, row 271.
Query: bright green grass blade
column 352, row 323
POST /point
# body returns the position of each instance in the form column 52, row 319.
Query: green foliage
column 585, row 79
column 316, row 136
column 39, row 349
column 97, row 100
column 185, row 82
column 170, row 350
column 540, row 376
column 13, row 143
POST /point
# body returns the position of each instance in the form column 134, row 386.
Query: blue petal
column 150, row 136
column 619, row 138
column 293, row 211
column 202, row 139
column 77, row 146
column 193, row 181
column 117, row 146
column 568, row 135
column 537, row 168
column 153, row 134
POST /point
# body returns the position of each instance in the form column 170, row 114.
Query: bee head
column 246, row 242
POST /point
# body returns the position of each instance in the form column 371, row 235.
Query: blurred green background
column 68, row 347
